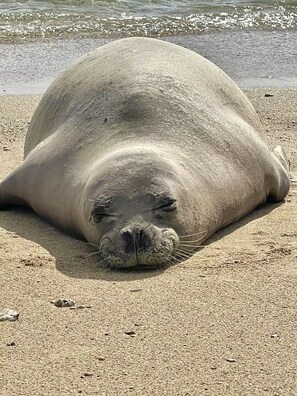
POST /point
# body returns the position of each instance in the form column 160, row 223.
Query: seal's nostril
column 142, row 239
column 135, row 239
column 128, row 239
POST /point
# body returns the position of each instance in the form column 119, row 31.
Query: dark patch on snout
column 128, row 241
column 142, row 240
column 135, row 240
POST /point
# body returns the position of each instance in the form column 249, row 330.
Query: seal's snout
column 138, row 245
column 135, row 240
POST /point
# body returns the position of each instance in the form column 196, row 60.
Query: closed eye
column 98, row 214
column 169, row 206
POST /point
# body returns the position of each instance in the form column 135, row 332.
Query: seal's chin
column 145, row 260
column 147, row 248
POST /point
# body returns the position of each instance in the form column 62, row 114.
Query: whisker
column 172, row 255
column 91, row 254
column 187, row 246
column 176, row 259
column 196, row 233
column 181, row 259
column 184, row 255
column 170, row 260
column 88, row 243
column 191, row 246
column 101, row 261
column 189, row 252
column 195, row 241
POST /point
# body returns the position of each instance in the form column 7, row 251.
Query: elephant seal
column 145, row 149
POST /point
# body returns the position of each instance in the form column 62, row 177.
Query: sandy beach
column 221, row 323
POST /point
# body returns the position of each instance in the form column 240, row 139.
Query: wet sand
column 221, row 323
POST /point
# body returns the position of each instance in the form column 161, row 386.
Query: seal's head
column 131, row 209
column 135, row 233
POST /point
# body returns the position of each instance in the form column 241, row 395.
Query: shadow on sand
column 76, row 258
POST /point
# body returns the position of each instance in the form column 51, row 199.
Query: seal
column 145, row 149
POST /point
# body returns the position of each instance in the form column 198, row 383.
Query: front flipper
column 21, row 186
column 283, row 159
column 281, row 180
column 13, row 188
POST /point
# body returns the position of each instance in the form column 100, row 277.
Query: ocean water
column 27, row 20
column 255, row 42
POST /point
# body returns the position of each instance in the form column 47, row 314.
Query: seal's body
column 140, row 144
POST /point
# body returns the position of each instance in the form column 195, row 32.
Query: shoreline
column 253, row 59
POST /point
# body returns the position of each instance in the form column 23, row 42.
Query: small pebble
column 12, row 343
column 86, row 375
column 231, row 360
column 268, row 95
column 274, row 335
column 9, row 314
column 135, row 290
column 130, row 333
column 101, row 358
column 63, row 302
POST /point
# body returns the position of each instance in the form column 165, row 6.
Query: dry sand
column 235, row 299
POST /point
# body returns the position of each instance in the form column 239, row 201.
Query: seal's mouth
column 149, row 259
column 142, row 248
